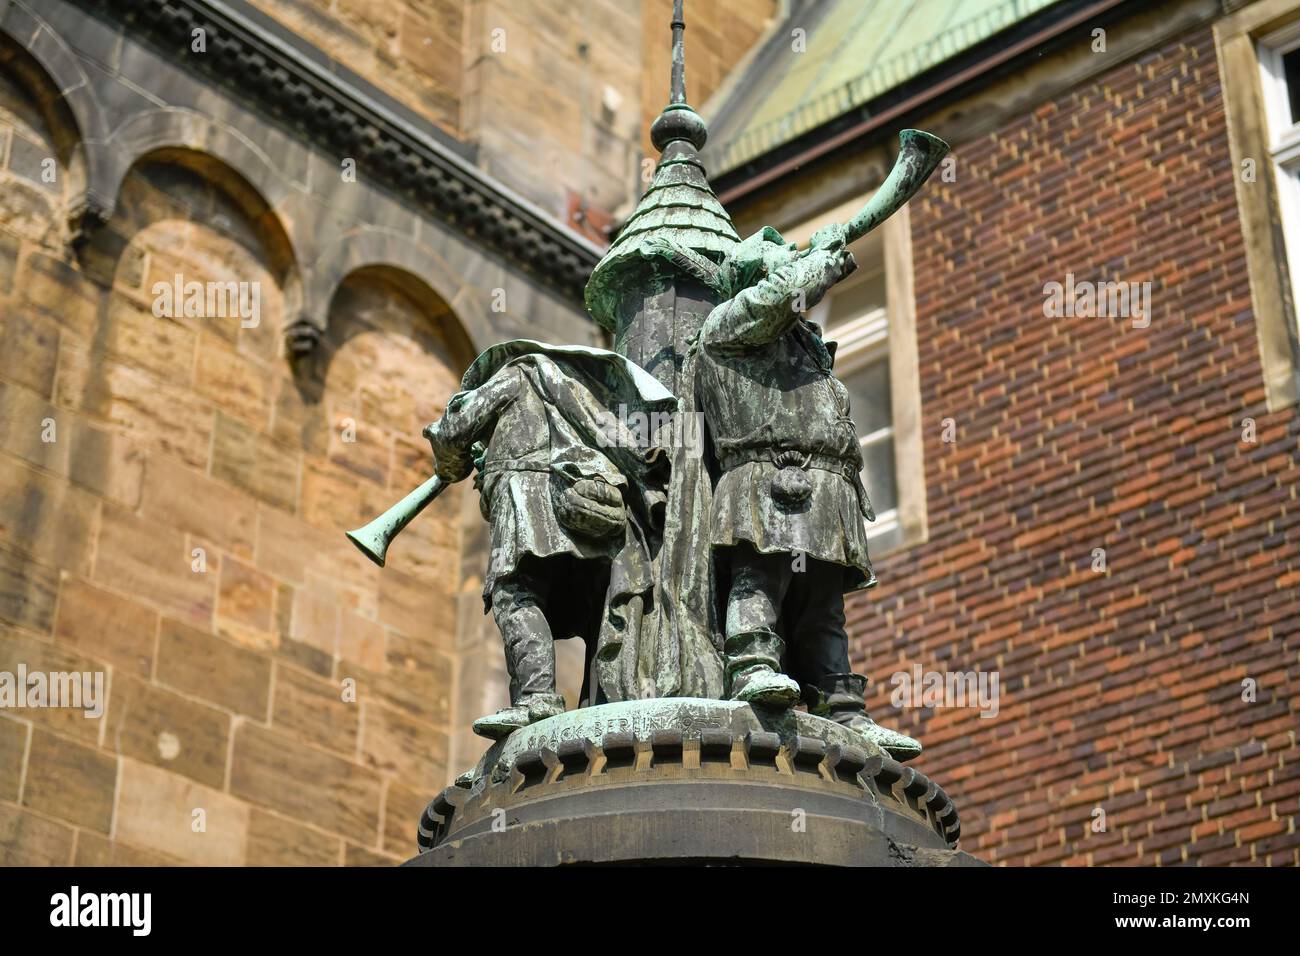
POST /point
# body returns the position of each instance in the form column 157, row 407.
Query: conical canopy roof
column 677, row 216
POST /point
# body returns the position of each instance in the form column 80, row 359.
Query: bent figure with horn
column 569, row 491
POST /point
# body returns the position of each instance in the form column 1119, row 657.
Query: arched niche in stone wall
column 392, row 353
column 234, row 165
column 40, row 145
column 195, row 277
column 36, row 61
column 416, row 267
column 36, row 142
column 40, row 164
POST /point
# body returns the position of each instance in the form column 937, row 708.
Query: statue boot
column 754, row 670
column 842, row 698
column 529, row 710
column 530, row 658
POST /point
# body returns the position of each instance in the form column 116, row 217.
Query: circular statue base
column 689, row 781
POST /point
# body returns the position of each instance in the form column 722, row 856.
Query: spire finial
column 678, row 91
column 678, row 122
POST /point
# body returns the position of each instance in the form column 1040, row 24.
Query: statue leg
column 814, row 615
column 819, row 658
column 595, row 596
column 753, row 648
column 518, row 605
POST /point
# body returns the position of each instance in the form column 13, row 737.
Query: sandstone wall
column 555, row 98
column 174, row 491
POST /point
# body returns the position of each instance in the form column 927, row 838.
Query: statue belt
column 847, row 468
column 513, row 464
column 835, row 464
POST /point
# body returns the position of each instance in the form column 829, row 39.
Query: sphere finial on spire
column 678, row 225
column 678, row 121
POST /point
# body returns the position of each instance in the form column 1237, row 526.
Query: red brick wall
column 1120, row 690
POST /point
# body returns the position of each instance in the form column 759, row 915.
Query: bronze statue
column 788, row 509
column 692, row 572
column 568, row 491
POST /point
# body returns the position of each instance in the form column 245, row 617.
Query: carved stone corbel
column 87, row 213
column 301, row 337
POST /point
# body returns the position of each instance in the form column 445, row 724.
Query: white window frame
column 859, row 341
column 1283, row 138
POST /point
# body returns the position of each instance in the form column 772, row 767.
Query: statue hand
column 848, row 265
column 450, row 463
column 822, row 268
column 830, row 238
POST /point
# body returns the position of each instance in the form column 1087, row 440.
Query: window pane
column 855, row 299
column 878, row 475
column 1291, row 70
column 869, row 395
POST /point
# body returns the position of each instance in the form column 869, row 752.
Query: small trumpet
column 373, row 539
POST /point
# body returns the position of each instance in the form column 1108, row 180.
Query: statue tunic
column 771, row 402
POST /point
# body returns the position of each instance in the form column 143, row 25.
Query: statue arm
column 764, row 312
column 469, row 416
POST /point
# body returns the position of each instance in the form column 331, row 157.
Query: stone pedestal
column 689, row 781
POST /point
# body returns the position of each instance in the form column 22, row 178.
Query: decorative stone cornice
column 331, row 111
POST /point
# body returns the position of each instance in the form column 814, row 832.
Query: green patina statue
column 568, row 491
column 713, row 569
column 786, row 525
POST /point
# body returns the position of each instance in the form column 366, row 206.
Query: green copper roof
column 680, row 200
column 855, row 50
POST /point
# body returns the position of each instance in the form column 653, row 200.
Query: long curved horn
column 918, row 156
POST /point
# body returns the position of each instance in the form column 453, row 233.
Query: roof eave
column 953, row 79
